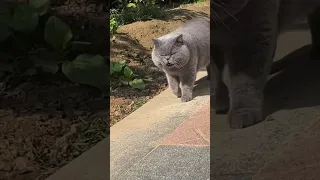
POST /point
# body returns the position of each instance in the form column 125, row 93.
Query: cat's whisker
column 220, row 2
column 216, row 19
column 231, row 15
column 221, row 22
column 216, row 16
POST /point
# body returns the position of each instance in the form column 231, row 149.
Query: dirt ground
column 47, row 121
column 133, row 44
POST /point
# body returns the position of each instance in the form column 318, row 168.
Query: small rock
column 23, row 165
column 75, row 128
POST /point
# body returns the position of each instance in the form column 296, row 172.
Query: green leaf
column 137, row 84
column 57, row 33
column 114, row 25
column 24, row 19
column 127, row 72
column 41, row 6
column 117, row 66
column 131, row 5
column 5, row 32
column 88, row 69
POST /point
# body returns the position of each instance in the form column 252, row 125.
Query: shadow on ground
column 123, row 41
column 202, row 87
column 297, row 86
column 184, row 15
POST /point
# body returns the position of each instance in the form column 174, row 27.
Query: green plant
column 114, row 25
column 20, row 20
column 141, row 11
column 126, row 76
column 88, row 69
column 128, row 11
column 137, row 104
column 57, row 33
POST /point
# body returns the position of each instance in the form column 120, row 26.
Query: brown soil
column 133, row 44
column 47, row 121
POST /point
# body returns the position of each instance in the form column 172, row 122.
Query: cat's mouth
column 169, row 64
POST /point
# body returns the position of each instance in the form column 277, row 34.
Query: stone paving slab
column 300, row 160
column 195, row 131
column 244, row 152
column 172, row 163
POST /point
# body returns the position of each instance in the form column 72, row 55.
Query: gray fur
column 244, row 36
column 187, row 49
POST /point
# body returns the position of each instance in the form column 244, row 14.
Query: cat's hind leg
column 314, row 24
column 174, row 82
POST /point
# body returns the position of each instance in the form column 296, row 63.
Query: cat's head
column 170, row 52
column 223, row 9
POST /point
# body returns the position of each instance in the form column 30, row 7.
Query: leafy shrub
column 125, row 75
column 141, row 12
column 113, row 25
column 23, row 19
column 134, row 10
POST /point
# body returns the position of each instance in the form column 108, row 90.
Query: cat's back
column 198, row 28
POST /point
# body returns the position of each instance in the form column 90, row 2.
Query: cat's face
column 170, row 52
column 222, row 9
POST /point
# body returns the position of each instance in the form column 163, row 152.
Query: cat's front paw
column 186, row 98
column 244, row 117
column 177, row 93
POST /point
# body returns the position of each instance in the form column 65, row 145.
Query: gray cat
column 182, row 53
column 244, row 37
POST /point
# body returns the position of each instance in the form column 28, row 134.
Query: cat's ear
column 156, row 42
column 179, row 39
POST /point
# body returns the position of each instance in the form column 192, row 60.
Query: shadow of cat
column 297, row 86
column 202, row 87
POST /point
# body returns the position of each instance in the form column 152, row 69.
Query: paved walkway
column 164, row 139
